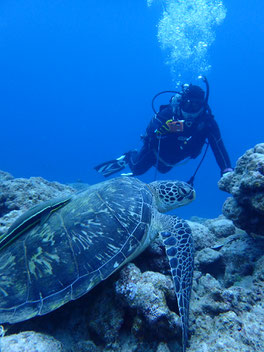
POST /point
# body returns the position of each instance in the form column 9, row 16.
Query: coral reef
column 19, row 194
column 246, row 184
column 135, row 310
column 146, row 296
column 30, row 341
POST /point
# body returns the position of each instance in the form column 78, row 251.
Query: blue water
column 77, row 79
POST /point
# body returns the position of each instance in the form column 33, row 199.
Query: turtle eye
column 186, row 193
column 182, row 191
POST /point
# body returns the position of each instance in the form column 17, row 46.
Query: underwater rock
column 146, row 294
column 30, row 341
column 221, row 227
column 106, row 317
column 154, row 259
column 163, row 347
column 227, row 319
column 5, row 176
column 246, row 184
column 79, row 186
column 135, row 310
column 240, row 255
column 85, row 346
column 208, row 294
column 19, row 194
column 208, row 260
column 230, row 332
column 202, row 236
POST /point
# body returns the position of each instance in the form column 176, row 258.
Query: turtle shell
column 78, row 245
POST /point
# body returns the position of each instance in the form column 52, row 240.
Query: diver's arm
column 217, row 145
column 158, row 121
column 152, row 126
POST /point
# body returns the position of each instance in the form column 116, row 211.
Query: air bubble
column 186, row 31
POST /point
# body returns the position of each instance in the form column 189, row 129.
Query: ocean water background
column 77, row 80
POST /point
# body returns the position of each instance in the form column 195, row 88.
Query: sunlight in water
column 186, row 31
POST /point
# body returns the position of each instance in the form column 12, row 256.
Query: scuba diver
column 177, row 131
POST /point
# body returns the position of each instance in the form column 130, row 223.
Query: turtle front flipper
column 177, row 238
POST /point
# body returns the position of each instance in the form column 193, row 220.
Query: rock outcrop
column 246, row 185
column 135, row 310
column 19, row 194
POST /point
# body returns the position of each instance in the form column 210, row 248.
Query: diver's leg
column 141, row 161
column 162, row 168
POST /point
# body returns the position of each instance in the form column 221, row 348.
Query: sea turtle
column 60, row 249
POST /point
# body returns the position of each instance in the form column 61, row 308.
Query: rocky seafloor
column 135, row 310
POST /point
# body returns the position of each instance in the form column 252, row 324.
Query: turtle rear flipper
column 179, row 248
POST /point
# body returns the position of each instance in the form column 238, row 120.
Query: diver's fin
column 111, row 167
column 127, row 174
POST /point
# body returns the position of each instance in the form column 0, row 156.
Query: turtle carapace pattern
column 87, row 238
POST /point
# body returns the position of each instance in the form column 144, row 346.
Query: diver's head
column 192, row 101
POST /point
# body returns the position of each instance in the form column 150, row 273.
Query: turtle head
column 171, row 194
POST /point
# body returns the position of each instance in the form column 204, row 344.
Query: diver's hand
column 227, row 171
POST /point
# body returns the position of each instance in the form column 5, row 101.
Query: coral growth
column 135, row 310
column 246, row 184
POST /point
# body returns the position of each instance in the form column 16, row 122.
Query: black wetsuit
column 177, row 146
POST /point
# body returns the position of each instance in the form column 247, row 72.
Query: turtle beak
column 192, row 195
